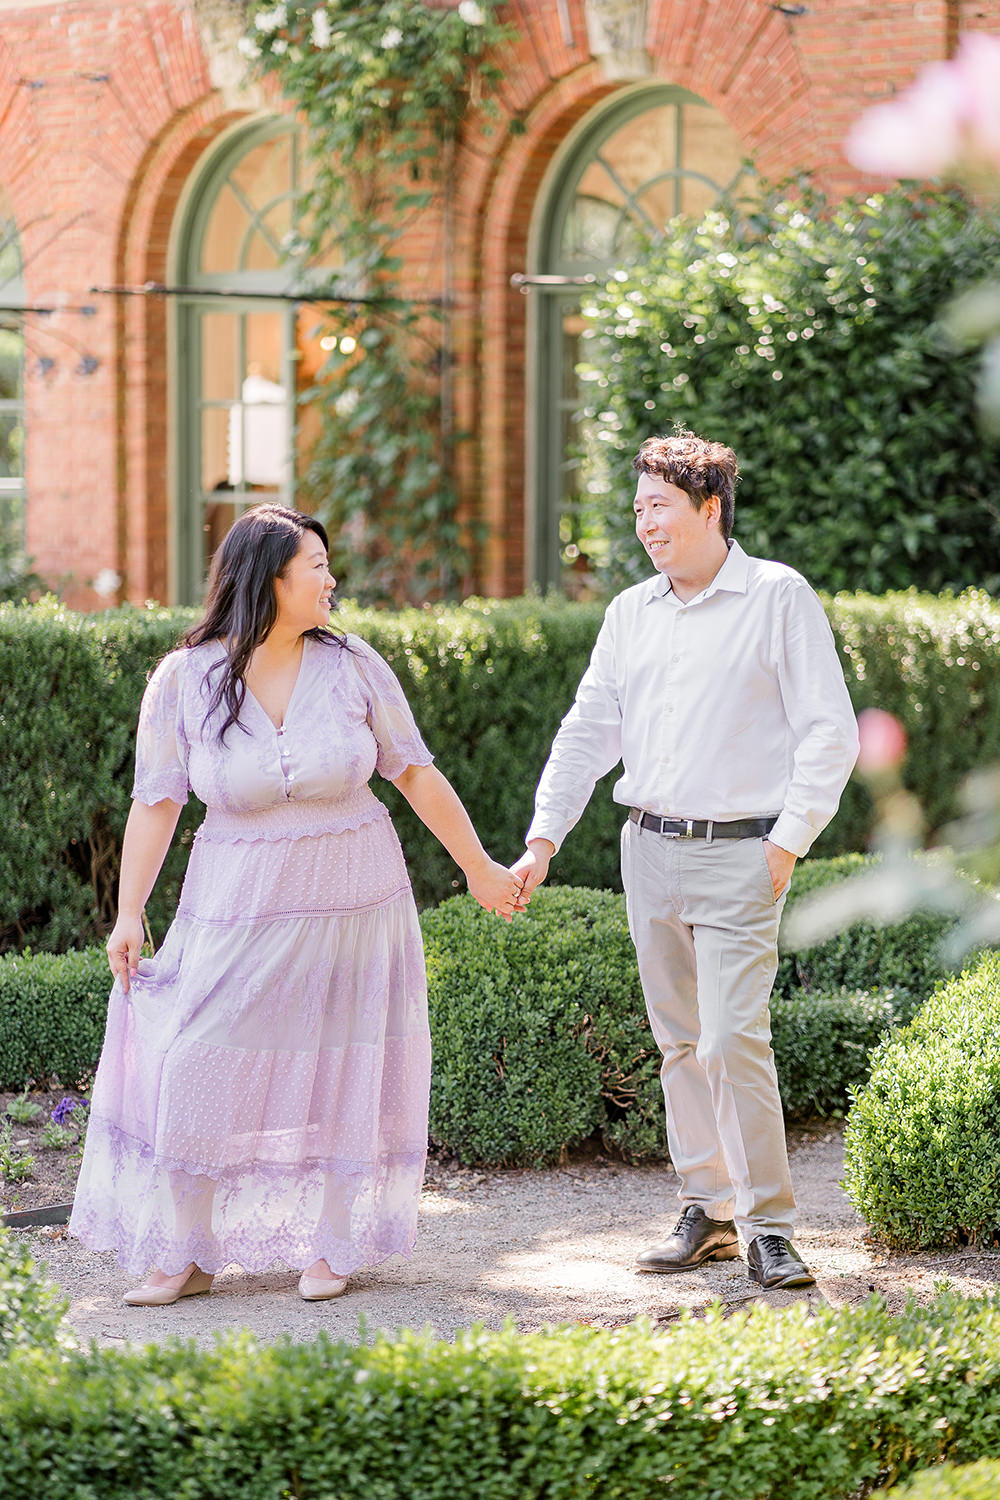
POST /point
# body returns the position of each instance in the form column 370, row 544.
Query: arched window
column 656, row 152
column 246, row 347
column 11, row 396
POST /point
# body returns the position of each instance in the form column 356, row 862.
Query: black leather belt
column 691, row 828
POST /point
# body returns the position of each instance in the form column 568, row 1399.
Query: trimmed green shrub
column 923, row 1134
column 903, row 957
column 70, row 687
column 979, row 1481
column 540, row 1032
column 488, row 682
column 515, row 1011
column 53, row 1008
column 802, row 1402
column 539, row 1028
column 935, row 664
column 31, row 1311
column 822, row 1044
column 805, row 334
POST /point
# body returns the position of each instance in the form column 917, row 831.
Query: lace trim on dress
column 153, row 1210
column 125, row 1149
column 151, row 787
column 306, row 818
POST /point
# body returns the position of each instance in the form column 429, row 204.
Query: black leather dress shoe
column 695, row 1238
column 773, row 1261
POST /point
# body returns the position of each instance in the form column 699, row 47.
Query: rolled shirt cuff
column 792, row 834
column 546, row 828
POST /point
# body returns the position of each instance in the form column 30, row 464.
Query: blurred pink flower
column 948, row 119
column 883, row 741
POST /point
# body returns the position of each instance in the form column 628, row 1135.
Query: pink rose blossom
column 883, row 741
column 948, row 119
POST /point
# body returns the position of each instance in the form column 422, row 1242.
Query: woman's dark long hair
column 241, row 607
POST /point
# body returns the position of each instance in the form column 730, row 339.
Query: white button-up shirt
column 732, row 705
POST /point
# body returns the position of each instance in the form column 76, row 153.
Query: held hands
column 532, row 867
column 495, row 887
column 123, row 947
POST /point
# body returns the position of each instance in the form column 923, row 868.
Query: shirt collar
column 731, row 577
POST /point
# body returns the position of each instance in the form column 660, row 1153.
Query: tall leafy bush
column 806, row 336
column 923, row 1134
column 489, row 682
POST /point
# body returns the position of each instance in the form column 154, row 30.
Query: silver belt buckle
column 670, row 834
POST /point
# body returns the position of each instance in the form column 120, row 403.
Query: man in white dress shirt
column 717, row 684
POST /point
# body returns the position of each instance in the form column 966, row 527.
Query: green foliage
column 384, row 90
column 15, row 1165
column 489, row 682
column 539, row 1028
column 806, row 336
column 23, row 1110
column 979, row 1481
column 810, row 1403
column 53, row 1008
column 512, row 1011
column 935, row 664
column 58, row 1137
column 822, row 1043
column 540, row 1033
column 18, row 579
column 923, row 1134
column 31, row 1311
column 70, row 687
column 903, row 956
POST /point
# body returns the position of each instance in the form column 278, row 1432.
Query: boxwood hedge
column 923, row 1134
column 53, row 1008
column 979, row 1481
column 540, row 1033
column 489, row 682
column 31, row 1310
column 809, row 1403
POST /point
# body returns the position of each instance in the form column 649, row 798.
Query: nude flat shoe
column 321, row 1288
column 162, row 1296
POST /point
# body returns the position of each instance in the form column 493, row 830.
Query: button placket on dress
column 287, row 776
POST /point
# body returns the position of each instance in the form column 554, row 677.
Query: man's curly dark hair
column 696, row 466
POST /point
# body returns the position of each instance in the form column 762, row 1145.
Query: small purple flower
column 63, row 1110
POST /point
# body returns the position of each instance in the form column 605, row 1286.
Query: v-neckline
column 280, row 728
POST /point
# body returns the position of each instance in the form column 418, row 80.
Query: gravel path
column 539, row 1247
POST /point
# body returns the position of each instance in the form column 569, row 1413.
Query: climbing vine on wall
column 384, row 89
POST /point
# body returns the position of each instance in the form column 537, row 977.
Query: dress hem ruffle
column 161, row 1250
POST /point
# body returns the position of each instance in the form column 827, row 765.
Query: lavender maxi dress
column 262, row 1091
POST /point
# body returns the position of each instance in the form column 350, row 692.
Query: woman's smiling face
column 304, row 592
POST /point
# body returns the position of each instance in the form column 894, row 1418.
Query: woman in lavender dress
column 262, row 1091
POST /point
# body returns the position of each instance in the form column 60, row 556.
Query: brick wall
column 107, row 108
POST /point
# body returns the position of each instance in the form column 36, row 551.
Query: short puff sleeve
column 161, row 749
column 399, row 740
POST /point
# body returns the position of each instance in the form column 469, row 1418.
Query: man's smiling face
column 675, row 534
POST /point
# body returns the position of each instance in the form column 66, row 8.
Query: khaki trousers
column 704, row 922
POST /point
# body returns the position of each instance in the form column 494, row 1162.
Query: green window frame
column 236, row 420
column 579, row 234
